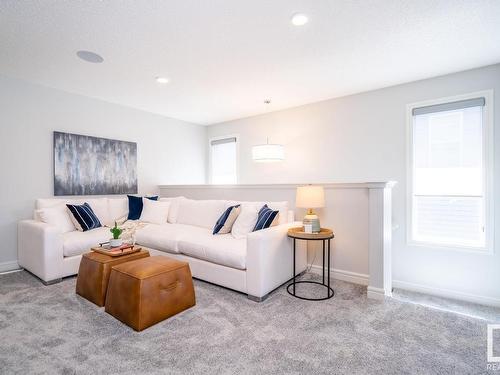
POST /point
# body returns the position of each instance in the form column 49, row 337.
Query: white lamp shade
column 268, row 153
column 310, row 197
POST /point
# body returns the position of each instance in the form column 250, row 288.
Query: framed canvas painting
column 85, row 165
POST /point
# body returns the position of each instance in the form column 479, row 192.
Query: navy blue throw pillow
column 265, row 218
column 83, row 217
column 227, row 219
column 135, row 206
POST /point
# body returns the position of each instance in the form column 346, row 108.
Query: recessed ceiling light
column 299, row 19
column 162, row 80
column 89, row 56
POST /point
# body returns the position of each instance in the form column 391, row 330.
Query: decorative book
column 116, row 251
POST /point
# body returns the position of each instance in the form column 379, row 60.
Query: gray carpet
column 50, row 330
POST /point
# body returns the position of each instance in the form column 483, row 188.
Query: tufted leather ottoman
column 93, row 275
column 146, row 291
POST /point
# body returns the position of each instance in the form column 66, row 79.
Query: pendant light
column 268, row 152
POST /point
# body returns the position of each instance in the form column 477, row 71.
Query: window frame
column 488, row 155
column 217, row 138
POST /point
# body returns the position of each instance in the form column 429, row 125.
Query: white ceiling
column 224, row 57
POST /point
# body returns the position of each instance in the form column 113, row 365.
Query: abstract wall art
column 85, row 165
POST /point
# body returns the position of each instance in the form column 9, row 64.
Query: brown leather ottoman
column 146, row 291
column 94, row 271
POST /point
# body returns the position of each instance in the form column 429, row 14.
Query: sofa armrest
column 40, row 249
column 270, row 259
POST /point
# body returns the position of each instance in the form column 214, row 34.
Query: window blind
column 448, row 203
column 222, row 141
column 461, row 104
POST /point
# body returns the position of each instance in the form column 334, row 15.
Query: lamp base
column 311, row 221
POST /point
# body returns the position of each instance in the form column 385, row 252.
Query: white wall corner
column 380, row 242
column 377, row 293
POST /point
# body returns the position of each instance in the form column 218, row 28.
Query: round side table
column 325, row 235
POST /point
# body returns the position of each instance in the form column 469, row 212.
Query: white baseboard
column 9, row 266
column 446, row 293
column 351, row 277
column 376, row 293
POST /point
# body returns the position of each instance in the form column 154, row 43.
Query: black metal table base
column 329, row 291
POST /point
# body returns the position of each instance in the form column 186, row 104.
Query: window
column 224, row 160
column 450, row 173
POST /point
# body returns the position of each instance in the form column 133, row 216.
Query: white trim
column 338, row 185
column 9, row 266
column 351, row 277
column 489, row 340
column 489, row 162
column 454, row 248
column 209, row 167
column 376, row 293
column 488, row 159
column 447, row 293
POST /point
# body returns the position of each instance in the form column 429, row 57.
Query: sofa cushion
column 51, row 202
column 98, row 205
column 246, row 220
column 201, row 213
column 155, row 212
column 165, row 237
column 224, row 249
column 118, row 210
column 42, row 203
column 174, row 207
column 57, row 216
column 282, row 207
column 77, row 243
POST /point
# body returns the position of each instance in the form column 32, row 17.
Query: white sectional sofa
column 254, row 264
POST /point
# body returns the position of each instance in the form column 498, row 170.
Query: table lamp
column 310, row 197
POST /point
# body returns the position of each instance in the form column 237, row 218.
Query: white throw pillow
column 246, row 220
column 174, row 207
column 155, row 212
column 57, row 216
column 46, row 203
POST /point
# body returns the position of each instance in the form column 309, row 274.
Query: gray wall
column 169, row 151
column 363, row 138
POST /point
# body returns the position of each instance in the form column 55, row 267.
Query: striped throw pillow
column 83, row 217
column 266, row 218
column 227, row 219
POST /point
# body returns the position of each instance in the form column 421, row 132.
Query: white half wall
column 363, row 138
column 347, row 215
column 169, row 150
column 358, row 213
